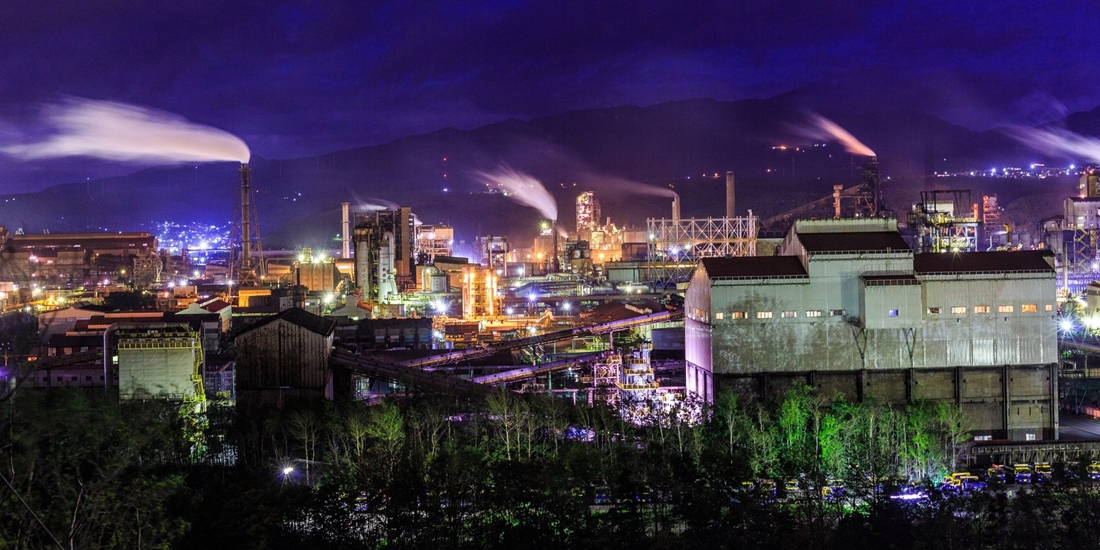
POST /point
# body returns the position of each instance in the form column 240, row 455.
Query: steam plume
column 523, row 188
column 823, row 128
column 117, row 131
column 1058, row 142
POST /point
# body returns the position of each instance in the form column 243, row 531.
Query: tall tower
column 249, row 266
column 730, row 204
column 588, row 215
column 873, row 184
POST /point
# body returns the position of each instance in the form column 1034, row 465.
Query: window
column 934, row 310
column 719, row 315
column 1029, row 437
column 981, row 309
column 1048, row 307
column 983, row 438
column 837, row 312
column 58, row 378
column 87, row 378
column 763, row 315
column 1029, row 308
column 813, row 313
column 892, row 313
column 1004, row 309
column 789, row 314
column 958, row 310
column 740, row 315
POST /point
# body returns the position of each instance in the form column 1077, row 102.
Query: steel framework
column 676, row 245
column 946, row 221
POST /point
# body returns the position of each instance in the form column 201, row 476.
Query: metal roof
column 1001, row 261
column 296, row 316
column 755, row 267
column 853, row 242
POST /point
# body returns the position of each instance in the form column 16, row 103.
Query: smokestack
column 345, row 225
column 730, row 204
column 246, row 211
column 676, row 208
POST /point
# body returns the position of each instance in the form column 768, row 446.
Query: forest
column 512, row 471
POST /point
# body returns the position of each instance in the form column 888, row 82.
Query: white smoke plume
column 121, row 132
column 523, row 188
column 823, row 128
column 1058, row 142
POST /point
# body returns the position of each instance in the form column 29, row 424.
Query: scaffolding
column 945, row 221
column 675, row 246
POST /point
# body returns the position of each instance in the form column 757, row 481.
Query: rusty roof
column 756, row 267
column 316, row 324
column 1001, row 261
column 851, row 242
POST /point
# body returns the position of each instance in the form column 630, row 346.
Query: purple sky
column 300, row 78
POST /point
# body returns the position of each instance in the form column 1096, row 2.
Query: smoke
column 1058, row 142
column 121, row 132
column 611, row 183
column 523, row 188
column 823, row 128
column 373, row 204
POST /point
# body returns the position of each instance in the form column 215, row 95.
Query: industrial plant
column 839, row 294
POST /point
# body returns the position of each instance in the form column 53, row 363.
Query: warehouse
column 848, row 308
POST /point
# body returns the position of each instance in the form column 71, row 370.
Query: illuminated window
column 789, row 314
column 934, row 310
column 837, row 312
column 763, row 315
column 981, row 309
column 1004, row 309
column 719, row 316
column 1029, row 308
column 892, row 313
column 1048, row 307
column 813, row 313
column 740, row 315
column 958, row 310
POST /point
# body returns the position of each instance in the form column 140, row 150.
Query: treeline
column 514, row 471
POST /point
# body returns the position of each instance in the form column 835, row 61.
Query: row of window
column 1004, row 308
column 955, row 310
column 788, row 314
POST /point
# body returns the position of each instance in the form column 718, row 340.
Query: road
column 1074, row 427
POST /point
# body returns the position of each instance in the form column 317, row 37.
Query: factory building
column 79, row 258
column 384, row 252
column 284, row 357
column 433, row 240
column 848, row 308
column 159, row 361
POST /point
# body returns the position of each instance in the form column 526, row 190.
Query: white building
column 848, row 308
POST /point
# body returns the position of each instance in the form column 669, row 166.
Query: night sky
column 300, row 78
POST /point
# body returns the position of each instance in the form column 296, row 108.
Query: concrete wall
column 1021, row 409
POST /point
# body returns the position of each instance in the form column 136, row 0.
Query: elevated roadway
column 458, row 356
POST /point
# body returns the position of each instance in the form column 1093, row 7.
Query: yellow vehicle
column 1043, row 472
column 833, row 488
column 1021, row 473
column 1093, row 471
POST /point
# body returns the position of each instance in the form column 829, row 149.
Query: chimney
column 676, row 208
column 730, row 204
column 345, row 225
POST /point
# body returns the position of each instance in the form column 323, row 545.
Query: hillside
column 622, row 153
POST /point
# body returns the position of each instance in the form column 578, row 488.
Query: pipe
column 345, row 224
column 676, row 208
column 730, row 204
column 107, row 355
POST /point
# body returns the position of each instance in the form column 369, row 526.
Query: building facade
column 848, row 308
